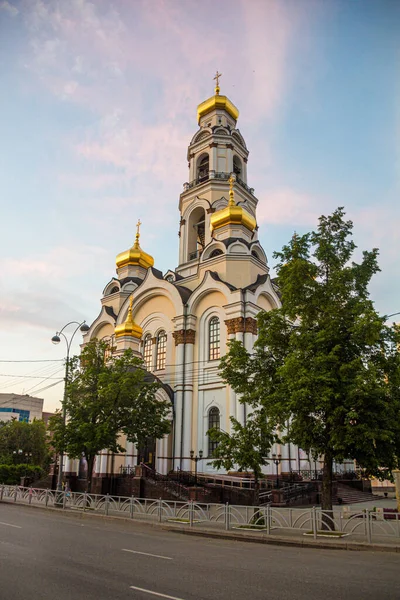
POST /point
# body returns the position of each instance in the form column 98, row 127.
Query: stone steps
column 350, row 495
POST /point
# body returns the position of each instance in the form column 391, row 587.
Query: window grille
column 161, row 350
column 213, row 423
column 214, row 339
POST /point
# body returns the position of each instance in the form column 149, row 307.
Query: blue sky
column 98, row 106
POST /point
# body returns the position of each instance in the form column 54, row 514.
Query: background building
column 21, row 407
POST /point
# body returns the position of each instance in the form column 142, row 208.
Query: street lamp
column 56, row 339
column 276, row 460
column 196, row 460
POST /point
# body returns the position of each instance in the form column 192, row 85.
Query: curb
column 222, row 535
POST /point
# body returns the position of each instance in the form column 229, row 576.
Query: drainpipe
column 243, row 294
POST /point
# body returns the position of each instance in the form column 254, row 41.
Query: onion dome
column 129, row 328
column 217, row 101
column 135, row 255
column 232, row 214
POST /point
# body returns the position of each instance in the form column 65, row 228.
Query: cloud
column 285, row 205
column 9, row 8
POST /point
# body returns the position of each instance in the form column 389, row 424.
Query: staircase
column 351, row 495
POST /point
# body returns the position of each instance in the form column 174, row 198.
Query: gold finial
column 129, row 316
column 138, row 224
column 217, row 76
column 231, row 192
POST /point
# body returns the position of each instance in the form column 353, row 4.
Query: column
column 230, row 326
column 188, row 406
column 178, row 336
column 239, row 333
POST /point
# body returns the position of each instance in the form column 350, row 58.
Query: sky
column 98, row 105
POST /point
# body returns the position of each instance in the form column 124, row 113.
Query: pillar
column 188, row 408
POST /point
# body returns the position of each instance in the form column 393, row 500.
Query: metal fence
column 368, row 525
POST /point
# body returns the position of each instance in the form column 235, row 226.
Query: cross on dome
column 217, row 76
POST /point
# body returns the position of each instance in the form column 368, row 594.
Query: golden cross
column 138, row 224
column 217, row 76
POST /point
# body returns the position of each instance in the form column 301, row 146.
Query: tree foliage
column 22, row 442
column 326, row 362
column 108, row 396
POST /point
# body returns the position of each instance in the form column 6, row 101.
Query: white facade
column 189, row 314
column 20, row 407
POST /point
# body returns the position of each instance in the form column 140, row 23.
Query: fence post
column 15, row 493
column 159, row 510
column 398, row 524
column 2, row 492
column 191, row 514
column 368, row 525
column 64, row 499
column 46, row 499
column 131, row 507
column 84, row 501
column 30, row 495
column 314, row 522
column 268, row 519
column 107, row 504
column 227, row 516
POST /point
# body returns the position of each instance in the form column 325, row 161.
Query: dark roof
column 216, row 277
column 110, row 311
column 184, row 292
column 157, row 273
column 125, row 280
column 259, row 281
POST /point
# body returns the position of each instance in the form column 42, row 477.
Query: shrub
column 11, row 474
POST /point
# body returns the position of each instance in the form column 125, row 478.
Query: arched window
column 213, row 339
column 214, row 420
column 161, row 350
column 237, row 166
column 216, row 252
column 148, row 352
column 114, row 290
column 203, row 167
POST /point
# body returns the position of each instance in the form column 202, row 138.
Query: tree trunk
column 326, row 496
column 256, row 490
column 90, row 463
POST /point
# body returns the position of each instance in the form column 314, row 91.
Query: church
column 180, row 322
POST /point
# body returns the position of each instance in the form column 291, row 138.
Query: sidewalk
column 282, row 538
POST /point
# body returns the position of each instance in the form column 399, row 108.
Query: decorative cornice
column 183, row 336
column 245, row 159
column 230, row 146
column 213, row 145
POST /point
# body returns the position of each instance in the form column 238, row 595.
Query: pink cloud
column 285, row 205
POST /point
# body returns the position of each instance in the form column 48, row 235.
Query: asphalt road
column 46, row 555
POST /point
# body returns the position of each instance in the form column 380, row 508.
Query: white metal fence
column 368, row 525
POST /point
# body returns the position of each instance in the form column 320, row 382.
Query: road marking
column 9, row 525
column 154, row 593
column 147, row 554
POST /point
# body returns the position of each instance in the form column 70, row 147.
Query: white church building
column 180, row 321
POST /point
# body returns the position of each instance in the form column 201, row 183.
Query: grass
column 323, row 533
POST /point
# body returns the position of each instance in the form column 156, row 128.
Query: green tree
column 107, row 396
column 246, row 447
column 325, row 362
column 22, row 442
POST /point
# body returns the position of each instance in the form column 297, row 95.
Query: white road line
column 9, row 525
column 147, row 554
column 154, row 593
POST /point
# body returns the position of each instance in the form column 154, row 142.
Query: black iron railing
column 206, row 176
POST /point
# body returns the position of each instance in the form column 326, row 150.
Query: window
column 161, row 350
column 148, row 352
column 237, row 166
column 114, row 290
column 213, row 423
column 216, row 252
column 203, row 167
column 213, row 339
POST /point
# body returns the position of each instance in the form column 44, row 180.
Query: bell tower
column 217, row 161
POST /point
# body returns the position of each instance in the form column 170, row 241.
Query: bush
column 11, row 474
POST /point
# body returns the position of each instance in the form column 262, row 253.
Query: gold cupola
column 129, row 328
column 135, row 255
column 217, row 102
column 232, row 214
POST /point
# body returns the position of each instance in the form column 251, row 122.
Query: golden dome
column 129, row 328
column 217, row 101
column 232, row 214
column 135, row 255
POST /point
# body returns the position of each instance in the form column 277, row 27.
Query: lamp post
column 276, row 459
column 196, row 460
column 56, row 339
